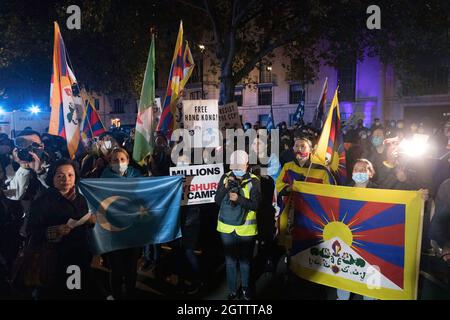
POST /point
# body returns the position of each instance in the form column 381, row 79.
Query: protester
column 362, row 175
column 123, row 263
column 50, row 230
column 238, row 196
column 95, row 163
column 376, row 153
column 440, row 224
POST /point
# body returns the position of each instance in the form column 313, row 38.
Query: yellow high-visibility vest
column 249, row 228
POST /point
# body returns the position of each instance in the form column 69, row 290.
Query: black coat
column 52, row 209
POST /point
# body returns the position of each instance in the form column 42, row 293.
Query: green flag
column 143, row 140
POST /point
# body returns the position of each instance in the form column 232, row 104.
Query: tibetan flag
column 66, row 106
column 365, row 241
column 133, row 212
column 320, row 109
column 92, row 125
column 330, row 149
column 180, row 71
column 143, row 142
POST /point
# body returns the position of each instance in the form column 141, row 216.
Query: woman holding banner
column 123, row 263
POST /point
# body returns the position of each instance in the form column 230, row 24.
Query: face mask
column 360, row 177
column 238, row 173
column 119, row 168
column 303, row 155
column 107, row 144
column 377, row 141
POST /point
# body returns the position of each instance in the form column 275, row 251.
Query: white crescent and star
column 101, row 214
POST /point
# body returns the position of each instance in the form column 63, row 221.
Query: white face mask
column 119, row 168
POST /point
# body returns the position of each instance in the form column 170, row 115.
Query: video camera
column 234, row 186
column 24, row 147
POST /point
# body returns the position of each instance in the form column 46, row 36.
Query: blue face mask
column 360, row 177
column 377, row 141
column 238, row 173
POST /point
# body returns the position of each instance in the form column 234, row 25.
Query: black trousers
column 123, row 264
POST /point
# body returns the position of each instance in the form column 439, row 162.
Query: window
column 118, row 106
column 432, row 79
column 238, row 96
column 265, row 96
column 265, row 74
column 346, row 74
column 97, row 104
column 195, row 95
column 295, row 93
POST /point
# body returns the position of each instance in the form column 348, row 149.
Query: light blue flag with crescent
column 133, row 212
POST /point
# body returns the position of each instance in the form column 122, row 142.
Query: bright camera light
column 415, row 147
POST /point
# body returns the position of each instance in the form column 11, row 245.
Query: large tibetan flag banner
column 180, row 72
column 365, row 241
column 330, row 149
column 66, row 108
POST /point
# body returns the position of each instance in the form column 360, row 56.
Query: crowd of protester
column 39, row 195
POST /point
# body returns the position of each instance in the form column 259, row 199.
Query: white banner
column 229, row 117
column 201, row 118
column 200, row 182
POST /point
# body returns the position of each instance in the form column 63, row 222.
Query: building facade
column 367, row 88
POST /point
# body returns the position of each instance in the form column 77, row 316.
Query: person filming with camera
column 238, row 196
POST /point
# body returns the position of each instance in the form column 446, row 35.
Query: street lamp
column 34, row 109
column 202, row 50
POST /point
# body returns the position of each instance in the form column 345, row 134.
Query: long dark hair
column 55, row 165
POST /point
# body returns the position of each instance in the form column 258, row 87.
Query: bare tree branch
column 266, row 48
column 215, row 24
column 189, row 4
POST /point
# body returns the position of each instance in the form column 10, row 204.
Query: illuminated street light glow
column 34, row 109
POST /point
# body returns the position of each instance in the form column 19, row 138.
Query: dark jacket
column 440, row 225
column 52, row 209
column 251, row 204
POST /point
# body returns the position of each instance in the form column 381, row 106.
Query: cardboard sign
column 229, row 117
column 200, row 182
column 201, row 118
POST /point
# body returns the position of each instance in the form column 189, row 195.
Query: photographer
column 28, row 181
column 238, row 196
column 29, row 154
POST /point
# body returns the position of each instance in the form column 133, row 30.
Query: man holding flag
column 180, row 71
column 143, row 141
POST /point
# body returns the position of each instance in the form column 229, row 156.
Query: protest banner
column 201, row 118
column 200, row 182
column 365, row 241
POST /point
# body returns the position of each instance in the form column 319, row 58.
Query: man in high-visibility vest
column 238, row 196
